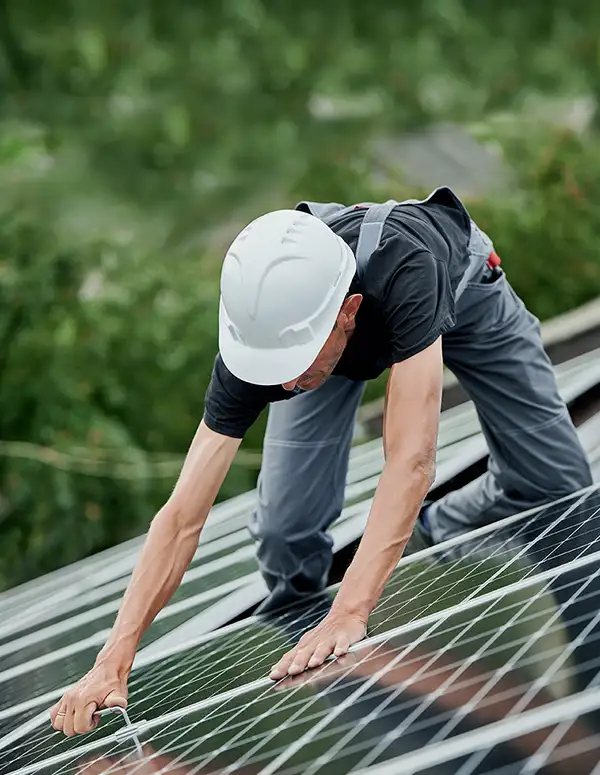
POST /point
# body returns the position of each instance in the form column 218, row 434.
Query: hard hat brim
column 261, row 366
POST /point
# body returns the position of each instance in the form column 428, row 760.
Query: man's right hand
column 102, row 687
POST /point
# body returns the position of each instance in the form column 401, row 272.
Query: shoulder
column 231, row 405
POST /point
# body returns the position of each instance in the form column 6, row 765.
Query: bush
column 547, row 229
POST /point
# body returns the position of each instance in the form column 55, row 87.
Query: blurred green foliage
column 135, row 140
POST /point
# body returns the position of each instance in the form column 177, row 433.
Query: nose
column 290, row 385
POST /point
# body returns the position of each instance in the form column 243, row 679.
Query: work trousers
column 495, row 351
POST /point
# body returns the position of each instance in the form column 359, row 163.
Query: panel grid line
column 463, row 666
column 422, row 572
column 540, row 683
column 101, row 741
column 496, row 677
column 492, row 734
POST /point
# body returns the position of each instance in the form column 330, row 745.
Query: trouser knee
column 300, row 561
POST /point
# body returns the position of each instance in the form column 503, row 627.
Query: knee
column 568, row 479
column 280, row 544
column 560, row 485
column 265, row 529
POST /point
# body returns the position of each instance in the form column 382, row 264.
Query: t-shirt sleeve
column 231, row 406
column 418, row 305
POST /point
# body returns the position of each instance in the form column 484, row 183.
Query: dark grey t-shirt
column 408, row 293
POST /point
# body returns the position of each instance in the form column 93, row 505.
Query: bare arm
column 171, row 542
column 411, row 422
column 168, row 549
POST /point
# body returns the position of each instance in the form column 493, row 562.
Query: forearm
column 170, row 544
column 399, row 496
column 166, row 554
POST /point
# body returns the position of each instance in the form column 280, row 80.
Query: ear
column 351, row 305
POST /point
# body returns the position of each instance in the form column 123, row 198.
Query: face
column 332, row 350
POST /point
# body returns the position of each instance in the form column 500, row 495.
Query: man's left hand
column 334, row 635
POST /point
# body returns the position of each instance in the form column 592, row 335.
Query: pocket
column 486, row 304
column 494, row 279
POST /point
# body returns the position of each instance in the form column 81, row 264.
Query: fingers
column 115, row 699
column 311, row 654
column 281, row 668
column 57, row 715
column 69, row 717
column 333, row 636
column 342, row 645
column 321, row 652
column 75, row 712
column 307, row 657
column 83, row 717
column 327, row 673
column 54, row 711
column 301, row 659
column 72, row 718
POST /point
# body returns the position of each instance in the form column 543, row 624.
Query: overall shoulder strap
column 370, row 230
column 370, row 233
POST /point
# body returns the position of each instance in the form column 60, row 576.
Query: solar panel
column 522, row 582
column 468, row 576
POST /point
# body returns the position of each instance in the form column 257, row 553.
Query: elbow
column 423, row 471
column 420, row 469
column 428, row 471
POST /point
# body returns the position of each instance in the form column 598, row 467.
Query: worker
column 315, row 301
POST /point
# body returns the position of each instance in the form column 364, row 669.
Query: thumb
column 116, row 697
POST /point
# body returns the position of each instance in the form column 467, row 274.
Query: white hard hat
column 283, row 282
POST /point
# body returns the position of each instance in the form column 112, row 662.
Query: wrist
column 357, row 609
column 117, row 656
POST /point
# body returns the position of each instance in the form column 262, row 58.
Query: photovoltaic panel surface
column 503, row 623
column 49, row 680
